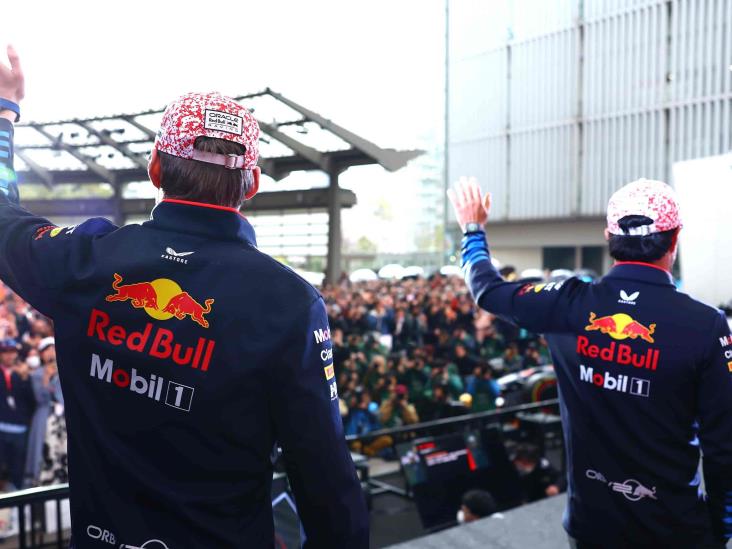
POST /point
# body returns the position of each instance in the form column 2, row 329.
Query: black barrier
column 30, row 503
column 447, row 425
column 31, row 536
column 458, row 424
column 30, row 507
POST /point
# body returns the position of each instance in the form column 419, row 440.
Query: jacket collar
column 645, row 272
column 218, row 222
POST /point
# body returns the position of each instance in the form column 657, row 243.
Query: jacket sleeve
column 41, row 393
column 38, row 259
column 542, row 308
column 410, row 414
column 386, row 411
column 714, row 400
column 308, row 425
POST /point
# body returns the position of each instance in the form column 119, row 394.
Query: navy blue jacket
column 185, row 354
column 17, row 401
column 645, row 383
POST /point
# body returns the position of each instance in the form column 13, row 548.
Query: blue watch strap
column 9, row 105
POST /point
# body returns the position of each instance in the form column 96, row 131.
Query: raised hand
column 12, row 83
column 469, row 205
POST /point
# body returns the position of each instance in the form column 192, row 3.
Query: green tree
column 365, row 245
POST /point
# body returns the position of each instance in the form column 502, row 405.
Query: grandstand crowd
column 32, row 427
column 405, row 351
column 418, row 349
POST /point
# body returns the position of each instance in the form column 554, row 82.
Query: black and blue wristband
column 474, row 248
column 6, row 104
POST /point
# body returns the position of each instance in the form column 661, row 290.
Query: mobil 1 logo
column 154, row 387
column 621, row 383
column 179, row 396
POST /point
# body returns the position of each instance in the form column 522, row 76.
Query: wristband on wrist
column 473, row 228
column 6, row 104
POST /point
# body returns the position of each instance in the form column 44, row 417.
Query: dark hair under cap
column 645, row 248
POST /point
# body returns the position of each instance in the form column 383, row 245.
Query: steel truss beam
column 310, row 199
column 360, row 152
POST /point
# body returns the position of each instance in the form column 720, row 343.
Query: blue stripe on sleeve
column 474, row 249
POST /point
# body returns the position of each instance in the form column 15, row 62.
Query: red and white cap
column 653, row 199
column 213, row 115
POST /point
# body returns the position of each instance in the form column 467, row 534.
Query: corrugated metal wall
column 555, row 104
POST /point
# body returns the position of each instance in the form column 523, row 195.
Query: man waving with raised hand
column 645, row 377
column 12, row 91
column 185, row 354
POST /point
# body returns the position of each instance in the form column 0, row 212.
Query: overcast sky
column 374, row 66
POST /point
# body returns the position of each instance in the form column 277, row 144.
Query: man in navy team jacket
column 645, row 378
column 185, row 354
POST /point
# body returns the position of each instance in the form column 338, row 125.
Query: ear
column 675, row 241
column 153, row 168
column 254, row 188
column 607, row 234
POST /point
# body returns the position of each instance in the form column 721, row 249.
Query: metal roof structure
column 113, row 149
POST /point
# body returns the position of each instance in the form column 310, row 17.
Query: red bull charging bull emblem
column 621, row 326
column 162, row 299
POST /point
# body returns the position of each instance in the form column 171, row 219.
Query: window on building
column 559, row 257
column 592, row 257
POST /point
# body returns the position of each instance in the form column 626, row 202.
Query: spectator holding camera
column 396, row 410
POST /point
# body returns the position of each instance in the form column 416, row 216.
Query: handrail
column 59, row 491
column 32, row 495
column 467, row 418
column 24, row 500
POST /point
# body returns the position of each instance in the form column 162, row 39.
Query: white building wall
column 519, row 258
column 520, row 244
column 554, row 104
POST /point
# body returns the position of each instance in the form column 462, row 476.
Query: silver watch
column 473, row 227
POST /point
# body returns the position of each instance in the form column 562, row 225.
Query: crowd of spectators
column 414, row 350
column 404, row 351
column 32, row 428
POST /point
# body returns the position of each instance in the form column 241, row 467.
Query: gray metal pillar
column 119, row 215
column 335, row 239
column 444, row 252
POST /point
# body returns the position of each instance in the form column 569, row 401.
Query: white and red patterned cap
column 653, row 199
column 213, row 115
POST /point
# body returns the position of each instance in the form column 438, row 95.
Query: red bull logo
column 151, row 296
column 183, row 305
column 152, row 340
column 621, row 326
column 619, row 353
column 140, row 294
column 525, row 289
